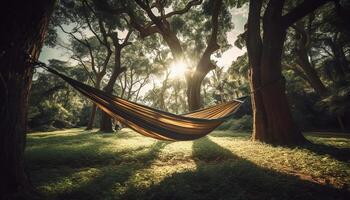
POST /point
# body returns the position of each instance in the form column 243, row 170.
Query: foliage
column 147, row 61
column 243, row 123
column 339, row 101
column 54, row 104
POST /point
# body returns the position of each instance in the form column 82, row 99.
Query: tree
column 106, row 121
column 302, row 49
column 194, row 79
column 26, row 25
column 318, row 55
column 106, row 31
column 272, row 119
column 53, row 104
column 150, row 22
column 91, row 52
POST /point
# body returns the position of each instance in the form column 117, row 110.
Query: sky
column 239, row 17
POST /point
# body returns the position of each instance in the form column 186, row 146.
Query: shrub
column 243, row 123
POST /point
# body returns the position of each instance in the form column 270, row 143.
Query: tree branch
column 301, row 11
column 89, row 23
column 156, row 20
column 304, row 36
column 93, row 67
column 296, row 70
column 205, row 63
column 126, row 39
column 188, row 6
column 85, row 67
column 73, row 36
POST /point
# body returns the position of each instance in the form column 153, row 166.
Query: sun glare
column 178, row 69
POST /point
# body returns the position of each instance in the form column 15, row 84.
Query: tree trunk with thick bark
column 90, row 124
column 24, row 25
column 254, row 48
column 272, row 118
column 194, row 83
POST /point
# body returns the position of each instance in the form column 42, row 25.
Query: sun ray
column 178, row 69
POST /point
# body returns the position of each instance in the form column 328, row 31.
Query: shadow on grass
column 341, row 154
column 222, row 175
column 232, row 134
column 111, row 177
column 59, row 138
column 71, row 154
column 81, row 149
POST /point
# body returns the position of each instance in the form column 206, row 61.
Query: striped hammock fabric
column 154, row 123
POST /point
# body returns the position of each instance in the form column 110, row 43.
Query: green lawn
column 76, row 164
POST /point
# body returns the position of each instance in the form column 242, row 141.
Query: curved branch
column 301, row 11
column 184, row 10
column 73, row 36
column 205, row 64
column 126, row 39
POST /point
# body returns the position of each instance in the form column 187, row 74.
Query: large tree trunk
column 273, row 121
column 106, row 120
column 254, row 48
column 106, row 123
column 194, row 80
column 24, row 26
column 193, row 91
column 91, row 122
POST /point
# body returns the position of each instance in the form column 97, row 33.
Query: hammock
column 154, row 123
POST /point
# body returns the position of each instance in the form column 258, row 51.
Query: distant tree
column 53, row 104
column 92, row 52
column 138, row 71
column 24, row 26
column 315, row 50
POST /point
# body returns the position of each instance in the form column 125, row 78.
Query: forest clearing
column 175, row 99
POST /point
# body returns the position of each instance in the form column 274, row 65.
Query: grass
column 77, row 164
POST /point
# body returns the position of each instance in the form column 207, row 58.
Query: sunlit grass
column 78, row 164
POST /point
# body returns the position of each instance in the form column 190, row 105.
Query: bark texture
column 25, row 24
column 273, row 122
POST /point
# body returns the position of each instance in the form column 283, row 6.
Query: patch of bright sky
column 239, row 18
column 48, row 53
